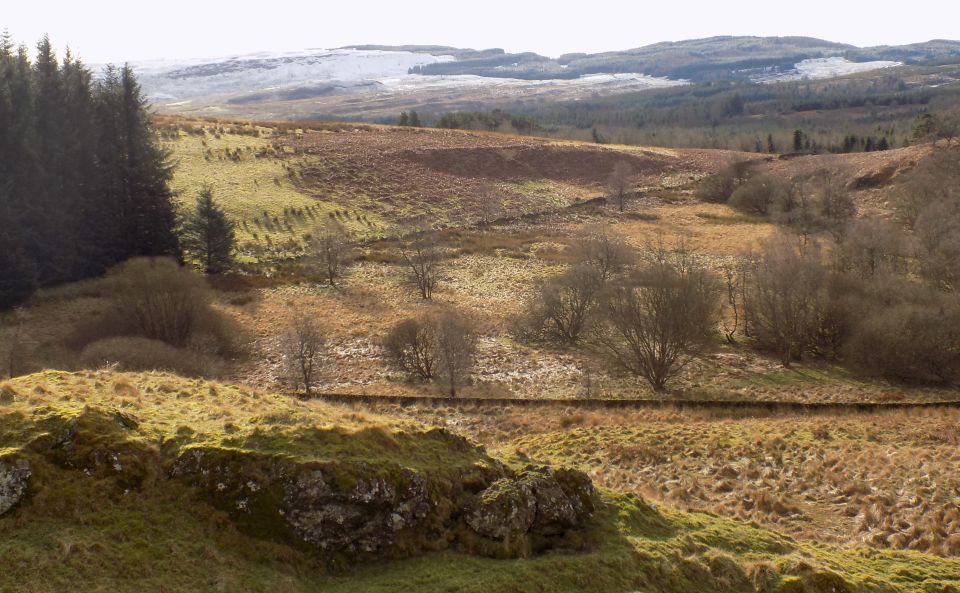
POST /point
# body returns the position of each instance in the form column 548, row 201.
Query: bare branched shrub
column 332, row 248
column 437, row 346
column 423, row 265
column 907, row 332
column 719, row 187
column 872, row 247
column 156, row 300
column 620, row 183
column 655, row 321
column 937, row 229
column 160, row 299
column 302, row 347
column 561, row 310
column 794, row 206
column 783, row 297
column 835, row 204
column 762, row 194
column 603, row 249
column 411, row 346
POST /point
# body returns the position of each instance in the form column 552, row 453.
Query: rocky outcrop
column 344, row 510
column 342, row 507
column 14, row 477
column 504, row 511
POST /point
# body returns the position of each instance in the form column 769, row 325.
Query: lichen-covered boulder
column 504, row 511
column 565, row 499
column 14, row 477
column 366, row 516
column 535, row 509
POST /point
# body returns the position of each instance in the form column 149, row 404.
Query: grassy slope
column 80, row 533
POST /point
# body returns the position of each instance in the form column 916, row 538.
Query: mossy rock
column 15, row 476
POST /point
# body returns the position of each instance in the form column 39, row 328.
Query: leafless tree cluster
column 719, row 187
column 411, row 345
column 564, row 306
column 808, row 203
column 602, row 249
column 880, row 298
column 438, row 346
column 784, row 296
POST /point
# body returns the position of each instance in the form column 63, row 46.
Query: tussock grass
column 887, row 479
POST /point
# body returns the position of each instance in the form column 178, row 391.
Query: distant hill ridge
column 712, row 58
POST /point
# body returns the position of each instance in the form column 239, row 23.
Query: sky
column 116, row 31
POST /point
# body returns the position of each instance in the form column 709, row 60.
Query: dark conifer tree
column 208, row 235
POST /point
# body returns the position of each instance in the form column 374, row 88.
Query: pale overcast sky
column 114, row 30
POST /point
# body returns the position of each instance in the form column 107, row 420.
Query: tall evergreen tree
column 84, row 183
column 208, row 235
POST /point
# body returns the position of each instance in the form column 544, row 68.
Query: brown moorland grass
column 886, row 479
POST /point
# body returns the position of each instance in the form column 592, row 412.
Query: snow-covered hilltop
column 372, row 81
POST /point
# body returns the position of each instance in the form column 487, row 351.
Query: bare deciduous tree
column 332, row 247
column 733, row 285
column 423, row 264
column 606, row 251
column 456, row 347
column 656, row 320
column 303, row 351
column 620, row 183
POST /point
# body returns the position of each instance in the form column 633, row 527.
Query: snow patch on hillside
column 177, row 80
column 282, row 76
column 820, row 68
column 412, row 83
